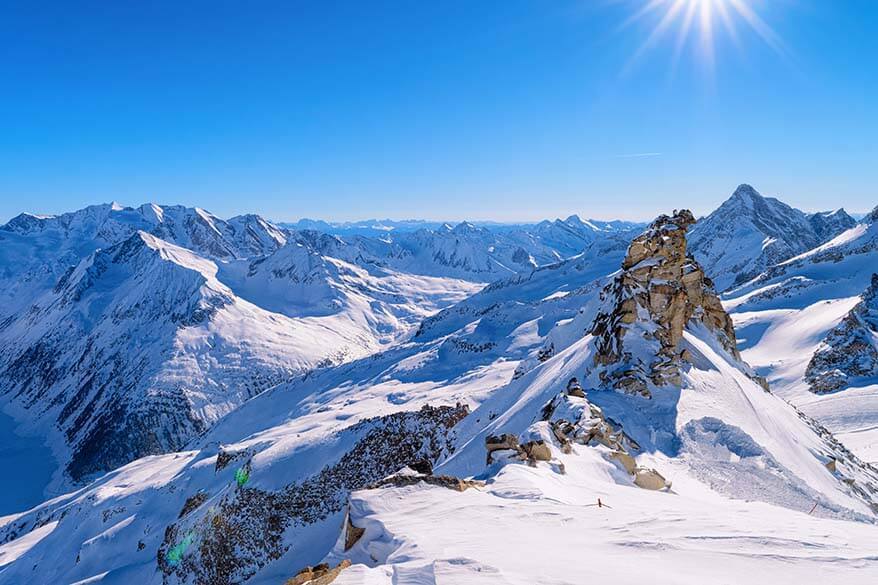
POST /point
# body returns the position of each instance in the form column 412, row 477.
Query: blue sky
column 513, row 110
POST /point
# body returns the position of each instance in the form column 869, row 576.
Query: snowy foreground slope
column 709, row 477
column 797, row 310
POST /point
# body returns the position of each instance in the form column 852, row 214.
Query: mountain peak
column 660, row 290
column 465, row 227
column 746, row 193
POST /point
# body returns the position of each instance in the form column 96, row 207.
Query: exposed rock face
column 576, row 420
column 626, row 460
column 850, row 350
column 501, row 442
column 352, row 534
column 574, row 388
column 537, row 451
column 447, row 481
column 509, row 446
column 319, row 575
column 660, row 291
column 245, row 529
column 649, row 479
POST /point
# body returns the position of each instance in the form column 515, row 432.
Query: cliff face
column 660, row 290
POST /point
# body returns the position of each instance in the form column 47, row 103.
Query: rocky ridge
column 850, row 350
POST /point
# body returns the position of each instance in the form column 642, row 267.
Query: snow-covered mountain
column 705, row 465
column 35, row 251
column 140, row 348
column 382, row 227
column 791, row 317
column 749, row 233
column 466, row 249
column 96, row 342
column 321, row 276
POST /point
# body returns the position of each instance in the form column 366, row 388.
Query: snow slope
column 784, row 316
column 531, row 526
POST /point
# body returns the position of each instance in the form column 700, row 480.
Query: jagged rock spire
column 649, row 304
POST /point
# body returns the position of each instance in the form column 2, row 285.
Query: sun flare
column 695, row 23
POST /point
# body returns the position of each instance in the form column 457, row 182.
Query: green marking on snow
column 242, row 476
column 175, row 555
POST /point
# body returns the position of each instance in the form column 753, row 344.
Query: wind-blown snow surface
column 276, row 472
column 784, row 315
column 529, row 526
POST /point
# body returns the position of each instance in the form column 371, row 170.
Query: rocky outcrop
column 447, row 481
column 245, row 527
column 352, row 533
column 649, row 479
column 575, row 420
column 322, row 574
column 504, row 442
column 574, row 388
column 508, row 447
column 659, row 292
column 850, row 350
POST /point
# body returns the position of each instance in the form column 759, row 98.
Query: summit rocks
column 648, row 305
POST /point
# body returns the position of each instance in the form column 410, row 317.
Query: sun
column 695, row 23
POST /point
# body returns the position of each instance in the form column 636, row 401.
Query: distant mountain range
column 234, row 401
column 379, row 227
